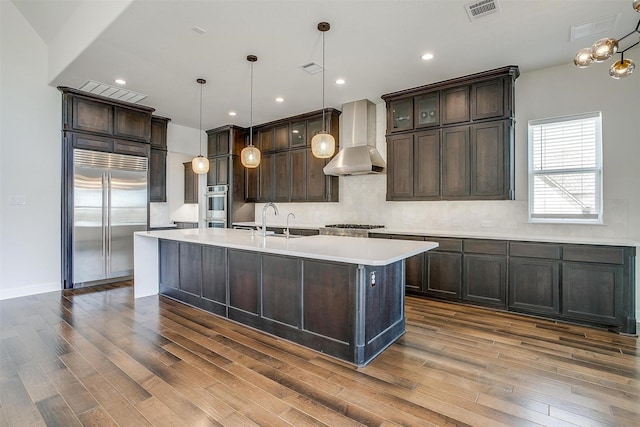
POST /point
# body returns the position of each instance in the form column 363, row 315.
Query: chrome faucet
column 286, row 232
column 263, row 231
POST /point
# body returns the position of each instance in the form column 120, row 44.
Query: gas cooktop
column 355, row 226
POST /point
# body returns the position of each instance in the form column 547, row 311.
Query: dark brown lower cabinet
column 588, row 284
column 348, row 311
column 444, row 271
column 485, row 279
column 534, row 285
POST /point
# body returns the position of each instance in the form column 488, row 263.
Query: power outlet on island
column 18, row 200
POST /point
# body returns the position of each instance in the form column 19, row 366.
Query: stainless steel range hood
column 358, row 154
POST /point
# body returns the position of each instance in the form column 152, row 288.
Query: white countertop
column 351, row 250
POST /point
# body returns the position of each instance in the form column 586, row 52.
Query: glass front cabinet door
column 427, row 110
column 401, row 115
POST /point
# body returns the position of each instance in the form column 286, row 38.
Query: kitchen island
column 343, row 296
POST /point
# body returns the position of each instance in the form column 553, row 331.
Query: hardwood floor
column 97, row 357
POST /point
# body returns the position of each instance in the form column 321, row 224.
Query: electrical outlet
column 512, row 224
column 18, row 200
column 486, row 223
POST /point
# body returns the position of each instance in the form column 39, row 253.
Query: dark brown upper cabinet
column 288, row 170
column 159, row 132
column 467, row 152
column 158, row 160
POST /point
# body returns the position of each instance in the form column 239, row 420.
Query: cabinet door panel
column 593, row 292
column 487, row 159
column 168, row 260
column 281, row 137
column 88, row 142
column 427, row 110
column 487, row 99
column 190, row 184
column 328, row 288
column 90, row 116
column 282, row 177
column 223, row 143
column 212, row 175
column 132, row 124
column 190, row 268
column 455, row 105
column 244, row 279
column 456, row 180
column 222, row 166
column 534, row 285
column 266, row 139
column 298, row 175
column 131, row 148
column 266, row 174
column 426, row 170
column 400, row 178
column 316, row 180
column 214, row 274
column 281, row 287
column 298, row 135
column 484, row 279
column 444, row 275
column 158, row 176
column 159, row 133
column 400, row 115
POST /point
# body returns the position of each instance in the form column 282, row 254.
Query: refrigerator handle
column 108, row 259
column 104, row 222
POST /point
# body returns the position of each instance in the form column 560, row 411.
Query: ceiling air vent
column 311, row 68
column 481, row 8
column 110, row 91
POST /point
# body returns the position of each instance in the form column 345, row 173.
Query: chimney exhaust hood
column 358, row 154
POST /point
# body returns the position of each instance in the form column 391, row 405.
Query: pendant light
column 605, row 48
column 250, row 156
column 200, row 164
column 323, row 144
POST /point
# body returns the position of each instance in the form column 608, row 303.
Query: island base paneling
column 348, row 311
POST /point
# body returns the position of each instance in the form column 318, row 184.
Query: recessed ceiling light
column 340, row 81
column 427, row 56
column 232, row 113
column 279, row 99
column 120, row 81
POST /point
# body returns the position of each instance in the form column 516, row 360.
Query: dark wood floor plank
column 96, row 356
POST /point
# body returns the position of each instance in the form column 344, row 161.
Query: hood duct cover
column 358, row 154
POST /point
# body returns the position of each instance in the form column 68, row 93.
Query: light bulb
column 622, row 68
column 583, row 58
column 604, row 49
column 200, row 164
column 323, row 145
column 636, row 5
column 250, row 157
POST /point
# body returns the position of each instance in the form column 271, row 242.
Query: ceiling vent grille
column 311, row 68
column 481, row 8
column 110, row 91
column 602, row 25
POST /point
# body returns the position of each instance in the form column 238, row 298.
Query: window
column 565, row 169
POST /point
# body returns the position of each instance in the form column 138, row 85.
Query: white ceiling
column 374, row 45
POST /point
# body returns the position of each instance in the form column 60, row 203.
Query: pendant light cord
column 323, row 122
column 201, row 84
column 251, row 108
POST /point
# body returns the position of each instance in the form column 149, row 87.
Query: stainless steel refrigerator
column 109, row 205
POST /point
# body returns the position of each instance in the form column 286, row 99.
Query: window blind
column 565, row 168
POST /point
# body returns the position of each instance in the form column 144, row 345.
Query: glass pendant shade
column 250, row 157
column 636, row 5
column 200, row 164
column 583, row 58
column 622, row 68
column 604, row 49
column 323, row 145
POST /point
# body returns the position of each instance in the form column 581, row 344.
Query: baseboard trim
column 29, row 290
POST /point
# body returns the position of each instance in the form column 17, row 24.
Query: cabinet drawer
column 605, row 255
column 445, row 244
column 491, row 247
column 132, row 148
column 534, row 250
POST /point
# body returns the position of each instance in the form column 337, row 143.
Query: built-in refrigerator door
column 127, row 214
column 110, row 204
column 89, row 219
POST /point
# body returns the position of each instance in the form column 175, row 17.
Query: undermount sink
column 286, row 236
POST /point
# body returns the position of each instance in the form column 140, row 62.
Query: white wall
column 30, row 161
